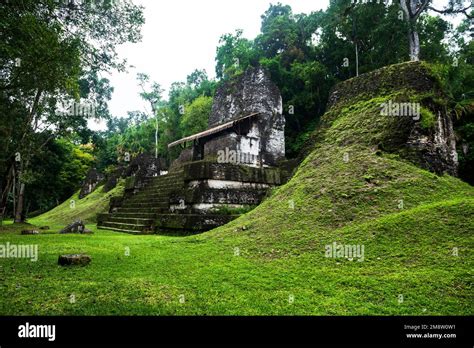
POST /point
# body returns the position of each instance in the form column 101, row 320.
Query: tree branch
column 451, row 10
column 423, row 7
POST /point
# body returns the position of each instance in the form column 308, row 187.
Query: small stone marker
column 74, row 259
column 27, row 232
column 76, row 227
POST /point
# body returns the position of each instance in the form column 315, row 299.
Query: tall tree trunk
column 357, row 59
column 156, row 136
column 18, row 205
column 412, row 9
column 19, row 211
column 414, row 40
column 5, row 190
column 19, row 217
column 14, row 191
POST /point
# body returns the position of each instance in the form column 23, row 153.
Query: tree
column 186, row 110
column 234, row 55
column 153, row 96
column 433, row 47
column 279, row 30
column 414, row 8
column 196, row 116
column 50, row 55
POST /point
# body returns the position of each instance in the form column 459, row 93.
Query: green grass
column 416, row 228
column 85, row 209
column 408, row 253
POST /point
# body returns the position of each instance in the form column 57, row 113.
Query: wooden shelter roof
column 213, row 130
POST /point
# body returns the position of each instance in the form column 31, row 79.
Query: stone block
column 74, row 260
column 28, row 232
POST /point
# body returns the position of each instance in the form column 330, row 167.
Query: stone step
column 119, row 230
column 192, row 222
column 136, row 210
column 127, row 220
column 151, row 194
column 165, row 179
column 153, row 189
column 124, row 226
column 148, row 200
column 128, row 204
column 144, row 202
column 135, row 215
column 164, row 184
column 160, row 185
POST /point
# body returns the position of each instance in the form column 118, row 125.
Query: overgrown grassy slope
column 85, row 209
column 416, row 229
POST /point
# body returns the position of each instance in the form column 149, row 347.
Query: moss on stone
column 428, row 119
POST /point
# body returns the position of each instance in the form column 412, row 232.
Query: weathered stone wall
column 93, row 178
column 253, row 92
column 435, row 149
column 433, row 146
column 145, row 165
column 185, row 156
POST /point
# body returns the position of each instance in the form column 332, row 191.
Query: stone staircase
column 137, row 211
column 197, row 197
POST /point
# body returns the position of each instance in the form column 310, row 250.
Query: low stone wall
column 213, row 194
column 204, row 170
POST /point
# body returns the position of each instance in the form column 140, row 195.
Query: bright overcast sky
column 182, row 35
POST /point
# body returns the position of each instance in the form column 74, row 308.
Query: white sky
column 182, row 35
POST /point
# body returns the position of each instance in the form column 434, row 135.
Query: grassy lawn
column 207, row 274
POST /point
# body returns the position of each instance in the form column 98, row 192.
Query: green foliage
column 428, row 119
column 59, row 171
column 185, row 112
column 304, row 54
column 408, row 250
column 226, row 210
column 279, row 31
column 196, row 116
column 234, row 55
column 51, row 53
column 432, row 33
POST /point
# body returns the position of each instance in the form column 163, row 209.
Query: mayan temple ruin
column 220, row 173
